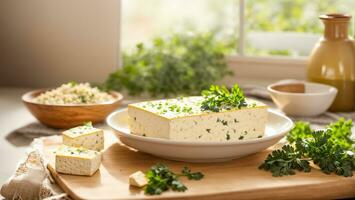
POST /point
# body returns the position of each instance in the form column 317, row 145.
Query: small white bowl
column 316, row 99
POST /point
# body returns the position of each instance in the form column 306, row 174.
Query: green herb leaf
column 191, row 175
column 161, row 179
column 89, row 124
column 300, row 131
column 220, row 98
column 329, row 156
column 340, row 132
column 285, row 162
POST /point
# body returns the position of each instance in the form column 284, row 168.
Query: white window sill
column 264, row 70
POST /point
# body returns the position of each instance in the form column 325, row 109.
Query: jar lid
column 336, row 17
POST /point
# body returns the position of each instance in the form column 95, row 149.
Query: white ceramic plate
column 276, row 128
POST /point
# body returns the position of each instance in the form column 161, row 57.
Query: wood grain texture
column 67, row 116
column 237, row 179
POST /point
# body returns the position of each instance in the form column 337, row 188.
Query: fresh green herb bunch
column 179, row 64
column 218, row 98
column 161, row 179
column 285, row 162
column 331, row 149
column 329, row 156
column 340, row 133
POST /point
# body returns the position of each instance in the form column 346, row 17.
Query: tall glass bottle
column 332, row 61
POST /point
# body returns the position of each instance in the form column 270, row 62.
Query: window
column 142, row 20
column 257, row 27
column 287, row 27
column 272, row 39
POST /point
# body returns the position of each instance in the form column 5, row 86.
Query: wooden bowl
column 70, row 115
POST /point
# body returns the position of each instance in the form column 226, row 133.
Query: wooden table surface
column 236, row 179
column 13, row 115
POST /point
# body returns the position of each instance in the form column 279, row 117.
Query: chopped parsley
column 80, row 129
column 225, row 123
column 285, row 161
column 161, row 178
column 220, row 98
column 174, row 107
column 228, row 137
column 82, row 99
column 191, row 175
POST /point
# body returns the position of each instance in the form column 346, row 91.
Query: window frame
column 262, row 67
column 244, row 67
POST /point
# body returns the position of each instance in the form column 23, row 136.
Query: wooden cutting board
column 237, row 179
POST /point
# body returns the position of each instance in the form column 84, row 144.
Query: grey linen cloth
column 32, row 181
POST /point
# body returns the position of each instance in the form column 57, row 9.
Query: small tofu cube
column 84, row 136
column 77, row 161
column 138, row 179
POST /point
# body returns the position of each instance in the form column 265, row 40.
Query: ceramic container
column 315, row 99
column 332, row 61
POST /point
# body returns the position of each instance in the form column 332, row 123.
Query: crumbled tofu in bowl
column 74, row 93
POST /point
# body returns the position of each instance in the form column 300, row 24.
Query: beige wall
column 46, row 42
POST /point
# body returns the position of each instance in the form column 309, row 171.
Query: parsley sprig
column 285, row 162
column 191, row 175
column 325, row 152
column 220, row 98
column 161, row 178
column 332, row 150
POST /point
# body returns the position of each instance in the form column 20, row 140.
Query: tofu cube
column 84, row 136
column 183, row 120
column 77, row 161
column 138, row 179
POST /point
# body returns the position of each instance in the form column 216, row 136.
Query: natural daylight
column 177, row 99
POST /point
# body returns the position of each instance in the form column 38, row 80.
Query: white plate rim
column 121, row 131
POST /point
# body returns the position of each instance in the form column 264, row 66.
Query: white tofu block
column 138, row 179
column 84, row 136
column 183, row 120
column 77, row 161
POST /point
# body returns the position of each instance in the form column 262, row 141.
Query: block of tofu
column 84, row 136
column 138, row 179
column 182, row 119
column 77, row 161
